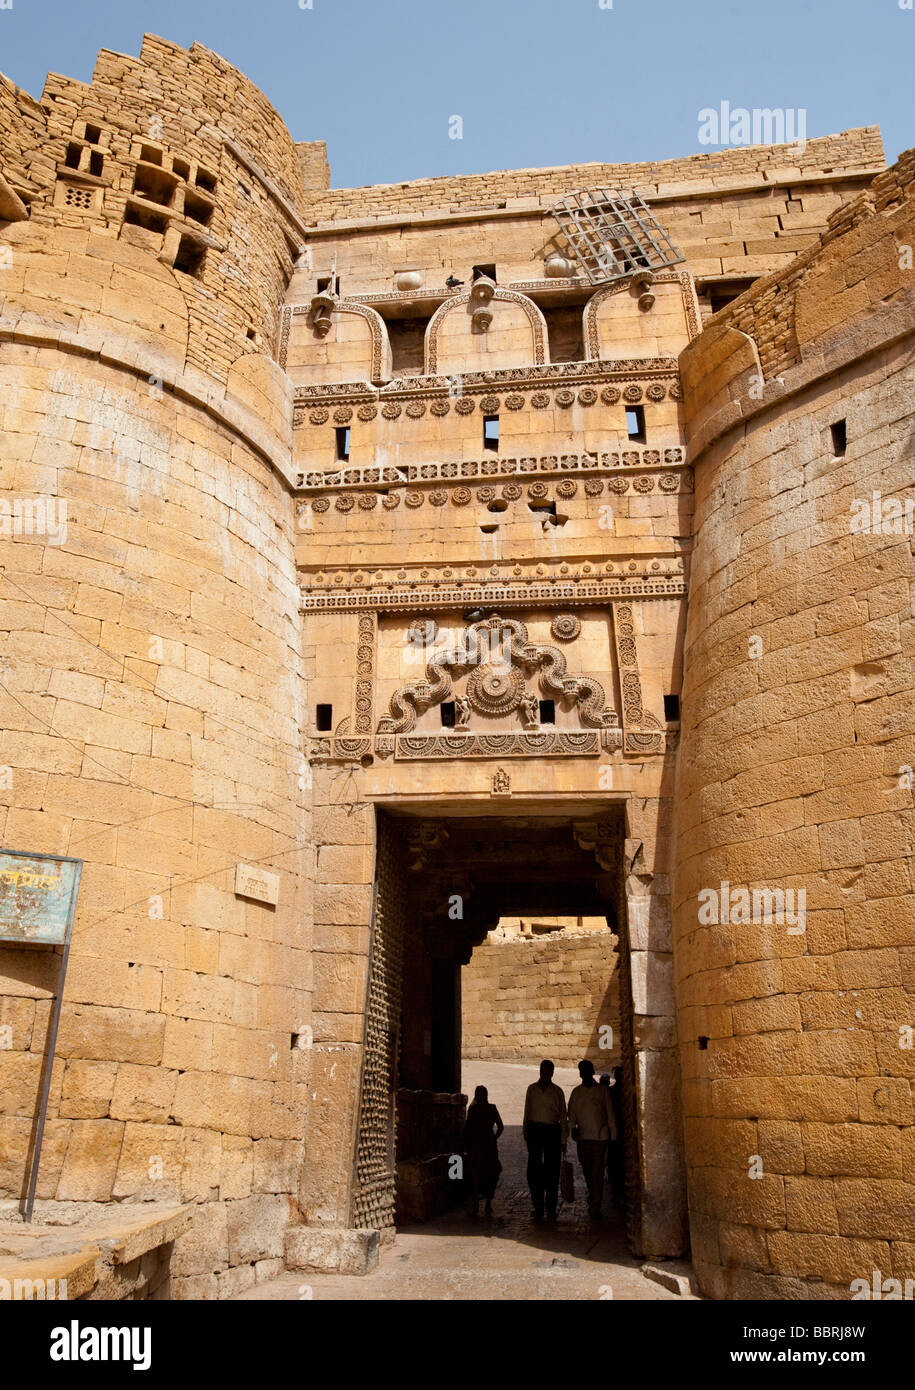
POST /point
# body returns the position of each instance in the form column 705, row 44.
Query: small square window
column 491, row 433
column 72, row 157
column 93, row 134
column 488, row 270
column 324, row 718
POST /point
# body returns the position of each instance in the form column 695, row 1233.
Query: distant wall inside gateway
column 531, row 992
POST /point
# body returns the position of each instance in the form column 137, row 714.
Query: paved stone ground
column 506, row 1257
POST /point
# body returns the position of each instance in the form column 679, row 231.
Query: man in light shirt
column 545, row 1131
column 593, row 1122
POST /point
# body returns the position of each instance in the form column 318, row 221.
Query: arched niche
column 615, row 325
column 516, row 336
column 354, row 348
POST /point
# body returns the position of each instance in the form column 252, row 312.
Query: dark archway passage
column 442, row 885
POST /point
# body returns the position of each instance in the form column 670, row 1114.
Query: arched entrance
column 441, row 884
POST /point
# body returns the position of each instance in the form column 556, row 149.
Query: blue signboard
column 37, row 897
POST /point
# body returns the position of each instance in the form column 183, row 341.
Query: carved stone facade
column 396, row 592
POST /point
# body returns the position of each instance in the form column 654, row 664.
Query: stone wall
column 153, row 679
column 851, row 151
column 798, row 739
column 527, row 998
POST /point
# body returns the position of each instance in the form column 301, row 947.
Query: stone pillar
column 663, row 1217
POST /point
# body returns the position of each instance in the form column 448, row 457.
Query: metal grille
column 610, row 236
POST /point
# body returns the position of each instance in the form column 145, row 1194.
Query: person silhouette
column 482, row 1131
column 593, row 1123
column 545, row 1130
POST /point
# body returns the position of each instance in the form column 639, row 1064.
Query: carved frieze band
column 392, row 594
column 546, row 465
column 425, row 747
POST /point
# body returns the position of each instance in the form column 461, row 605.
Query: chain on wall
column 373, row 1192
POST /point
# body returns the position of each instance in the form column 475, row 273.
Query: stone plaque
column 260, row 884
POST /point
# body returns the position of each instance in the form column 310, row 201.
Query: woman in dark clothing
column 481, row 1146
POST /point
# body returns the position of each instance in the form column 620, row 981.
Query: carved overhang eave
column 539, row 387
column 532, row 584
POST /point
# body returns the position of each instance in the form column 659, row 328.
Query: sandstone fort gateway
column 378, row 565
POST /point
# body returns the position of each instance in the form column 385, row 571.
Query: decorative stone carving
column 496, row 688
column 532, row 743
column 638, row 725
column 501, row 782
column 565, row 627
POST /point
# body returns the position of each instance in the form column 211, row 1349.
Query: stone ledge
column 331, row 1250
column 80, row 1252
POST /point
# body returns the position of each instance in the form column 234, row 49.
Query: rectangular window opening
column 488, row 270
column 342, row 434
column 635, row 423
column 96, row 163
column 93, row 134
column 181, row 168
column 491, row 433
column 447, row 714
column 839, row 438
column 324, row 718
column 150, row 155
column 206, row 181
column 191, row 256
column 198, row 209
column 547, row 711
column 671, row 708
column 72, row 157
column 137, row 216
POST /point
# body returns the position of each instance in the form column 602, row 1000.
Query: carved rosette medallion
column 495, row 690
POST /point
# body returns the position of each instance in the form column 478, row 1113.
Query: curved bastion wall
column 794, row 775
column 151, row 660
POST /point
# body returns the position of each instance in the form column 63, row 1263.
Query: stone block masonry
column 526, row 998
column 235, row 682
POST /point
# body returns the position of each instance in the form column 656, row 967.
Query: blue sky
column 535, row 82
